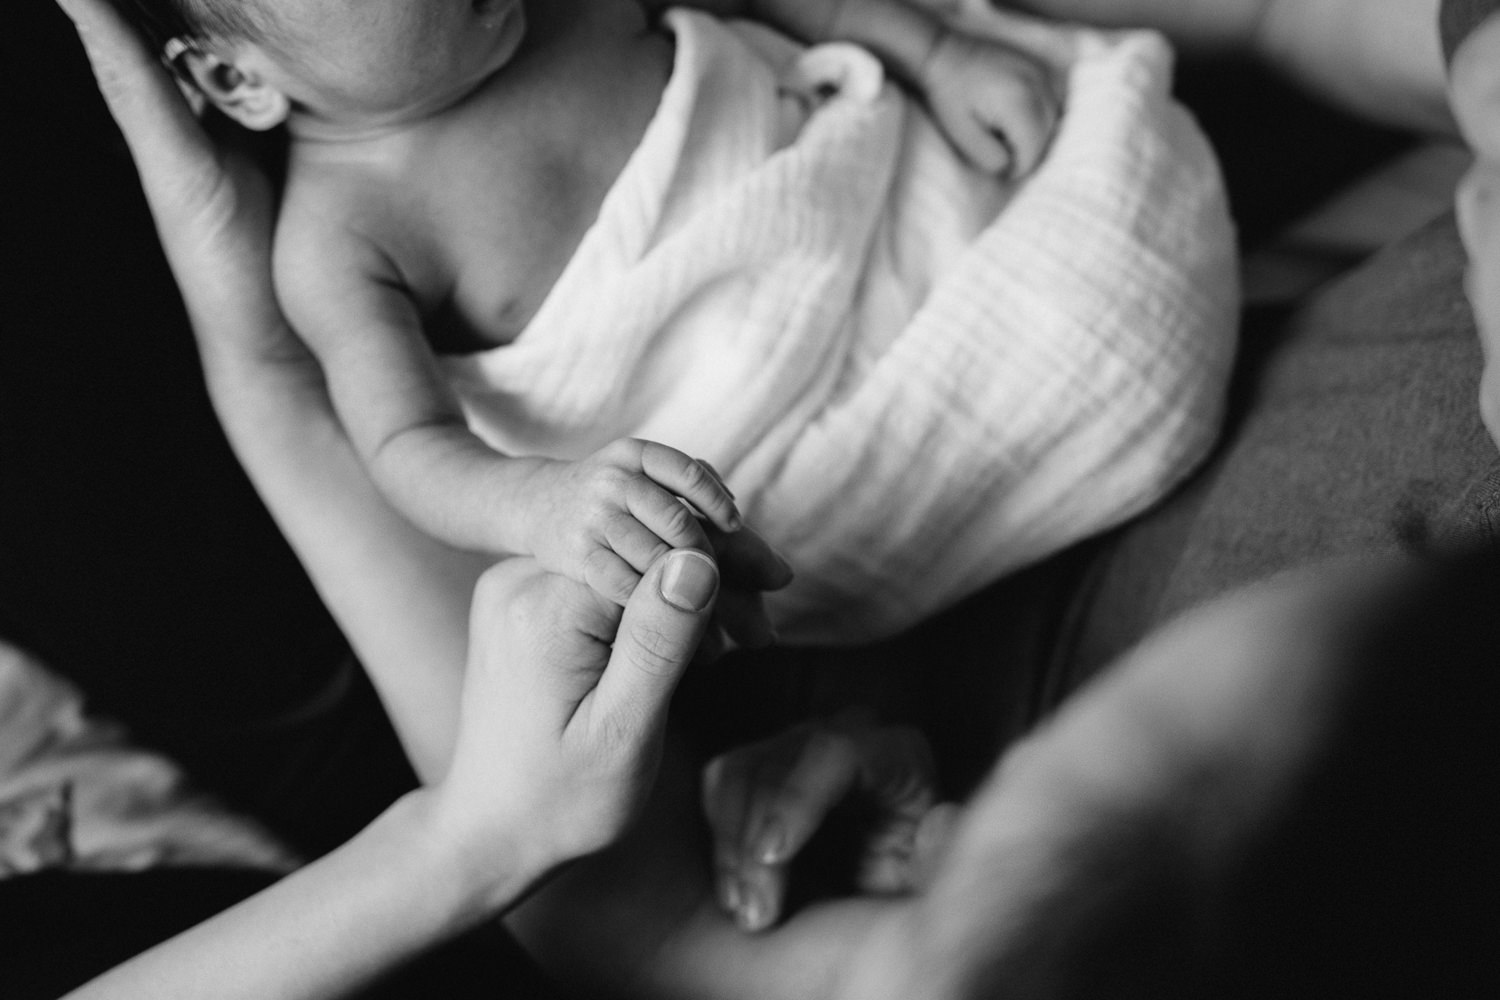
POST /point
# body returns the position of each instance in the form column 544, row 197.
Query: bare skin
column 467, row 216
column 1380, row 60
column 1475, row 89
column 446, row 162
column 402, row 596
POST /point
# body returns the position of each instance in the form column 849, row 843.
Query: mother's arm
column 1376, row 58
column 401, row 598
column 551, row 704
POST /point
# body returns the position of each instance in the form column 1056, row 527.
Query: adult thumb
column 659, row 633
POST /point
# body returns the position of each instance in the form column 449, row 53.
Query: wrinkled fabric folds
column 915, row 377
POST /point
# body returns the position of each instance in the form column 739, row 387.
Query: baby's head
column 334, row 66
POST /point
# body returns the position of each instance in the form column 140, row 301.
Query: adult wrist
column 476, row 866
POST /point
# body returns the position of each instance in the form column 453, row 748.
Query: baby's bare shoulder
column 319, row 224
column 329, row 269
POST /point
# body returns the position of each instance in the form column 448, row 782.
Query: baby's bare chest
column 505, row 196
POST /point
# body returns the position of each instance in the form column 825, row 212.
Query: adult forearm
column 902, row 33
column 1379, row 59
column 1203, row 25
column 654, row 931
column 329, row 928
column 401, row 597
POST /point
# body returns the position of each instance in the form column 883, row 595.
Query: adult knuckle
column 654, row 649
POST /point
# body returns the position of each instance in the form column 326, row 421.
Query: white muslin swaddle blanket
column 914, row 376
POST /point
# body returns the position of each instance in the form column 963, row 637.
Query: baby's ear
column 240, row 92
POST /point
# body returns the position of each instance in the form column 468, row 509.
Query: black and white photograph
column 750, row 500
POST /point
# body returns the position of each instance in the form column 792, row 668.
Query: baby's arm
column 994, row 103
column 601, row 520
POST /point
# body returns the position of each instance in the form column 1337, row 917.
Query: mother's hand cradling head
column 214, row 207
column 564, row 702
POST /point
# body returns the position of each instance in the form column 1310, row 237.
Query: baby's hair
column 163, row 20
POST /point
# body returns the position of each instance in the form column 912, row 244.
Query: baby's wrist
column 518, row 486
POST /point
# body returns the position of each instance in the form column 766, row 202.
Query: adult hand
column 214, row 207
column 564, row 702
column 557, row 747
column 1474, row 89
column 765, row 801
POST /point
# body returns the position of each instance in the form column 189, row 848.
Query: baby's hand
column 749, row 568
column 603, row 520
column 995, row 104
column 765, row 801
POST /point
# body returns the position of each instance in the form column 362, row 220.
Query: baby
column 446, row 159
column 450, row 165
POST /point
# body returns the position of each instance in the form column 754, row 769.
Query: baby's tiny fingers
column 609, row 576
column 662, row 513
column 748, row 560
column 742, row 613
column 632, row 541
column 717, row 476
column 689, row 479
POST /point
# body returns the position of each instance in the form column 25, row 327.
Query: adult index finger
column 165, row 139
